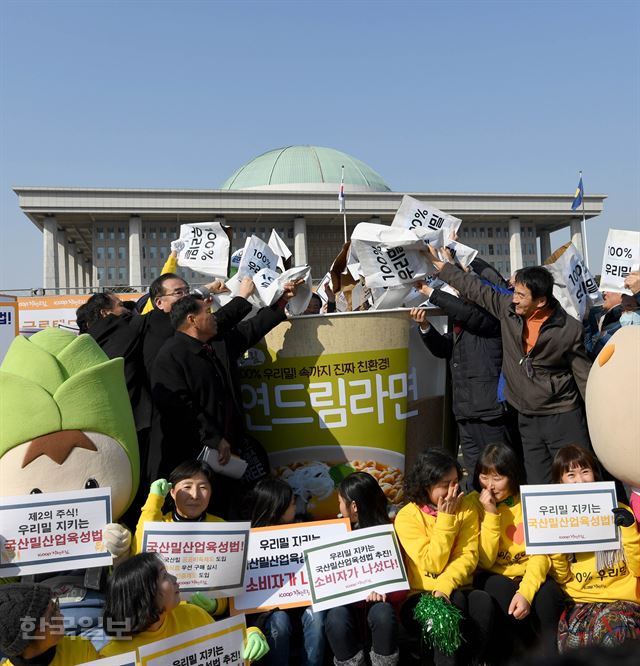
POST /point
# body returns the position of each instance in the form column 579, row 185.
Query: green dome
column 310, row 168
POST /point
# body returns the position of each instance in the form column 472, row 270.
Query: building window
column 111, row 253
column 122, row 253
column 153, row 252
column 100, row 273
column 152, row 233
column 122, row 274
column 112, row 233
column 153, row 272
column 122, row 234
column 490, row 232
column 144, row 272
column 99, row 253
column 498, row 233
column 490, row 249
column 481, row 232
column 100, row 233
column 110, row 275
column 163, row 233
column 474, row 233
column 163, row 252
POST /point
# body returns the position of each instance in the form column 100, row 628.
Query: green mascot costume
column 66, row 424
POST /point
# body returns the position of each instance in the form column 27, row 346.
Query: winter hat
column 21, row 607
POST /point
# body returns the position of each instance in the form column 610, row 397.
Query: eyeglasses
column 183, row 291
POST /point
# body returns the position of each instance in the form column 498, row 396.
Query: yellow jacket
column 501, row 549
column 170, row 266
column 183, row 617
column 619, row 583
column 441, row 551
column 152, row 512
column 71, row 650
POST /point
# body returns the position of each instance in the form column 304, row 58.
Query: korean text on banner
column 204, row 557
column 573, row 285
column 621, row 257
column 216, row 643
column 275, row 576
column 348, row 570
column 206, row 248
column 54, row 531
column 569, row 518
column 256, row 256
column 415, row 214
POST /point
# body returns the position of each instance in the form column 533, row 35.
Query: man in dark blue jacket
column 473, row 348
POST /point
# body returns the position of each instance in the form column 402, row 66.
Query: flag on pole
column 577, row 199
column 341, row 193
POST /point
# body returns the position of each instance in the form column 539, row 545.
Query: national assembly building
column 105, row 238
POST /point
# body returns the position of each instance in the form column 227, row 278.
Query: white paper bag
column 621, row 257
column 390, row 266
column 573, row 285
column 462, row 254
column 280, row 248
column 256, row 255
column 206, row 248
column 414, row 214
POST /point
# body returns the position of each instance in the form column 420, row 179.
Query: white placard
column 51, row 532
column 621, row 257
column 569, row 518
column 206, row 248
column 275, row 576
column 204, row 557
column 256, row 255
column 126, row 659
column 216, row 643
column 573, row 285
column 414, row 214
column 348, row 570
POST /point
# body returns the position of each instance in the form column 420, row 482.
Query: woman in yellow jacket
column 143, row 606
column 527, row 601
column 189, row 488
column 438, row 531
column 32, row 629
column 605, row 586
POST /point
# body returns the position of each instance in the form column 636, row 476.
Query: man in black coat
column 194, row 379
column 473, row 348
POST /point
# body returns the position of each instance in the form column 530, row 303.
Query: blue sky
column 436, row 96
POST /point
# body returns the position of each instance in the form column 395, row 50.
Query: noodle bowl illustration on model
column 314, row 480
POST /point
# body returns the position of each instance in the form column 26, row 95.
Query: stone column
column 61, row 249
column 86, row 274
column 73, row 271
column 135, row 251
column 576, row 236
column 545, row 245
column 49, row 253
column 300, row 241
column 515, row 244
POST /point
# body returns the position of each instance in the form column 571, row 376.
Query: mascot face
column 66, row 419
column 613, row 405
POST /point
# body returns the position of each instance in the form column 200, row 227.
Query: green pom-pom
column 440, row 622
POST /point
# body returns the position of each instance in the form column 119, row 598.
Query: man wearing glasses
column 544, row 362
